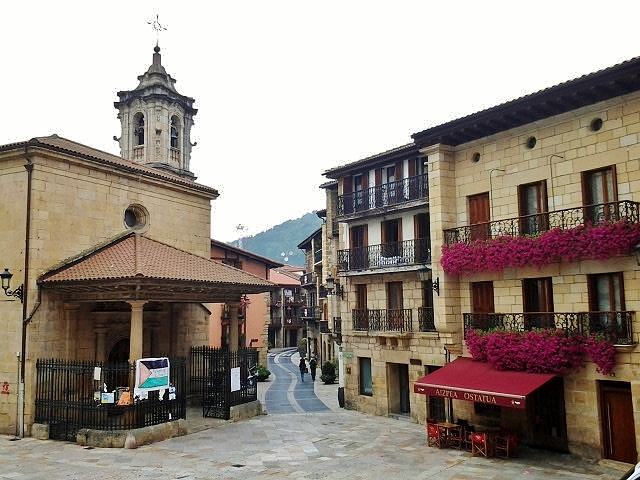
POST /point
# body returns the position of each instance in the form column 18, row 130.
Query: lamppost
column 332, row 286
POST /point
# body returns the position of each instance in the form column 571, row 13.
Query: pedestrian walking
column 313, row 364
column 303, row 368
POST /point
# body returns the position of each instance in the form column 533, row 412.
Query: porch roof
column 135, row 267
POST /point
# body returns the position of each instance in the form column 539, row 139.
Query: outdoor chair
column 434, row 437
column 455, row 438
column 479, row 444
column 505, row 445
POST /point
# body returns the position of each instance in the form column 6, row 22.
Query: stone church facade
column 107, row 258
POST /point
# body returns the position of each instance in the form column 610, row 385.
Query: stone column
column 135, row 337
column 233, row 327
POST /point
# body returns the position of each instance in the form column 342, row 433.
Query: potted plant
column 328, row 373
column 262, row 373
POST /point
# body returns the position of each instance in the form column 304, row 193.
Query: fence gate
column 212, row 372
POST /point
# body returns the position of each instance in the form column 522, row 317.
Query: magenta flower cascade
column 558, row 245
column 540, row 351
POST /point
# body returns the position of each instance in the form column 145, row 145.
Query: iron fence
column 69, row 398
column 615, row 326
column 221, row 379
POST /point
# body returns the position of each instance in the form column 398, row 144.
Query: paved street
column 330, row 443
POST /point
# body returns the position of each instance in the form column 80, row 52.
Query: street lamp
column 6, row 283
column 331, row 285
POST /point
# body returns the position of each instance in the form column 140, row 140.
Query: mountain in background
column 280, row 243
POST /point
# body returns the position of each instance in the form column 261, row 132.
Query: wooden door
column 395, row 314
column 479, row 215
column 482, row 304
column 537, row 297
column 359, row 252
column 618, row 429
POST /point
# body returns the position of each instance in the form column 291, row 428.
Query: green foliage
column 328, row 372
column 283, row 238
column 262, row 373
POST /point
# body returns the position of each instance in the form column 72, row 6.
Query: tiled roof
column 139, row 257
column 55, row 142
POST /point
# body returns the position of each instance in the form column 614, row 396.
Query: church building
column 107, row 258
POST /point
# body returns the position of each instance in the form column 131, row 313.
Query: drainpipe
column 25, row 296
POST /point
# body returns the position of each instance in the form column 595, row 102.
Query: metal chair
column 479, row 444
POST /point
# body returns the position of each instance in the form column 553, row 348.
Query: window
column 358, row 258
column 479, row 216
column 607, row 306
column 136, row 217
column 366, row 384
column 174, row 132
column 360, row 192
column 138, row 129
column 482, row 304
column 599, row 193
column 360, row 313
column 532, row 206
column 537, row 296
column 391, row 231
column 395, row 317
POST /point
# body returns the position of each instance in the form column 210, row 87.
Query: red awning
column 465, row 379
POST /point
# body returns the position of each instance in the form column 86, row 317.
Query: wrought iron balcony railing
column 308, row 279
column 393, row 320
column 426, row 321
column 310, row 313
column 393, row 193
column 408, row 252
column 337, row 325
column 615, row 326
column 323, row 326
column 531, row 225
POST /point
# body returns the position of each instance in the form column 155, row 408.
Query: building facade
column 107, row 258
column 530, row 214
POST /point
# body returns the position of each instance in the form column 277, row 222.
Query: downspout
column 25, row 295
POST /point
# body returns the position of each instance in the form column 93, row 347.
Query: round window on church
column 136, row 217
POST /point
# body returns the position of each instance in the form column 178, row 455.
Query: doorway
column 398, row 381
column 616, row 422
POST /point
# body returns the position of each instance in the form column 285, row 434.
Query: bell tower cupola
column 156, row 121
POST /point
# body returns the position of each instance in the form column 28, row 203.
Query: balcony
column 409, row 252
column 426, row 321
column 532, row 225
column 591, row 232
column 389, row 194
column 323, row 326
column 615, row 326
column 308, row 279
column 310, row 313
column 392, row 320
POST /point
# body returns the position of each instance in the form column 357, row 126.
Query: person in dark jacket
column 303, row 368
column 313, row 364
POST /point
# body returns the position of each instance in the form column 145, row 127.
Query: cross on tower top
column 157, row 27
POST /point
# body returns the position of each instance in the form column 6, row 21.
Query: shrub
column 262, row 373
column 328, row 372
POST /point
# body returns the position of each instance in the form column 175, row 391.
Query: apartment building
column 521, row 217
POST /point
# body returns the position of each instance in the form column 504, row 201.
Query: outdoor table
column 446, row 428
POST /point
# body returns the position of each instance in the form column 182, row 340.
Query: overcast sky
column 286, row 90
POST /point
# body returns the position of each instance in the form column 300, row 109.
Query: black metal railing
column 389, row 194
column 426, row 322
column 532, row 225
column 323, row 326
column 615, row 326
column 310, row 313
column 397, row 254
column 68, row 398
column 210, row 379
column 337, row 325
column 382, row 320
column 308, row 279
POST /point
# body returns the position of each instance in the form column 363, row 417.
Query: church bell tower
column 156, row 121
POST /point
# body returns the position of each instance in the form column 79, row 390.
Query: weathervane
column 157, row 27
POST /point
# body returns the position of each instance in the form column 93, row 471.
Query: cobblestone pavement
column 334, row 444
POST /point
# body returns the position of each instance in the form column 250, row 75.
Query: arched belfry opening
column 156, row 121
